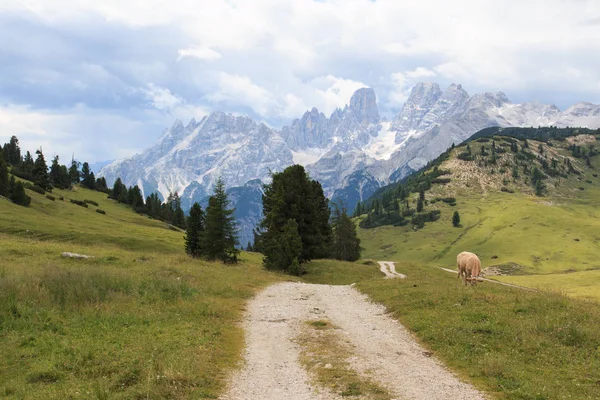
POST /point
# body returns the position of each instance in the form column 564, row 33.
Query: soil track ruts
column 381, row 348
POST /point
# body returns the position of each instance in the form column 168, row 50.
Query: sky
column 103, row 79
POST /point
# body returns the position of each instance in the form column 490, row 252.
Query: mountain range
column 352, row 152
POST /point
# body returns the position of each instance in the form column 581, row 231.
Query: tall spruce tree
column 346, row 244
column 28, row 163
column 17, row 193
column 220, row 238
column 74, row 171
column 87, row 177
column 195, row 232
column 13, row 152
column 58, row 174
column 456, row 219
column 3, row 176
column 283, row 254
column 293, row 195
column 40, row 172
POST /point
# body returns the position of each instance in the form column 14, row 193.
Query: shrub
column 35, row 188
column 99, row 211
column 465, row 156
column 79, row 203
column 442, row 181
column 507, row 190
column 50, row 197
column 62, row 198
column 91, row 202
column 581, row 188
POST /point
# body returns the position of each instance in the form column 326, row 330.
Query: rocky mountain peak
column 363, row 104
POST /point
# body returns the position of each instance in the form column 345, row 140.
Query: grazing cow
column 469, row 267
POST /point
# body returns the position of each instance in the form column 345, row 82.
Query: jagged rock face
column 423, row 97
column 364, row 106
column 351, row 153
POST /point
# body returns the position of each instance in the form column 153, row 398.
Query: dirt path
column 494, row 281
column 381, row 347
column 389, row 269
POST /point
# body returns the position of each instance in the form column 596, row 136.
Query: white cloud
column 279, row 58
column 240, row 90
column 162, row 98
column 333, row 92
column 201, row 53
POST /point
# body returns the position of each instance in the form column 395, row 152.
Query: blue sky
column 103, row 79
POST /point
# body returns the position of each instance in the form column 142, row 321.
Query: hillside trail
column 381, row 348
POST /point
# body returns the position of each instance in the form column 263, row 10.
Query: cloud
column 138, row 64
column 162, row 98
column 201, row 53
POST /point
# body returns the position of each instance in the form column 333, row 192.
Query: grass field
column 139, row 320
column 510, row 343
column 547, row 237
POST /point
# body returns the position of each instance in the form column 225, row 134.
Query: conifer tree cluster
column 295, row 228
column 346, row 244
column 212, row 235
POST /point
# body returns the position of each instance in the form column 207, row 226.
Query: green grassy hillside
column 550, row 241
column 139, row 320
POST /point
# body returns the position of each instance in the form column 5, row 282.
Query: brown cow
column 469, row 267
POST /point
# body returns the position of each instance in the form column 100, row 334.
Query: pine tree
column 346, row 244
column 55, row 174
column 87, row 177
column 178, row 216
column 293, row 195
column 419, row 205
column 40, row 172
column 135, row 199
column 195, row 231
column 283, row 254
column 119, row 191
column 357, row 210
column 220, row 238
column 74, row 171
column 455, row 219
column 17, row 193
column 3, row 176
column 28, row 163
column 13, row 152
column 101, row 185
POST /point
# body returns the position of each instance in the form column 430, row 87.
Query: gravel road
column 382, row 348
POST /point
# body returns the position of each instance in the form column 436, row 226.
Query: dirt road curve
column 381, row 346
column 389, row 269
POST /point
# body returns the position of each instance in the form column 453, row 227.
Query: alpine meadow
column 300, row 200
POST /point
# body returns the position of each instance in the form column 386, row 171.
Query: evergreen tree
column 56, row 175
column 40, row 172
column 283, row 254
column 119, row 191
column 539, row 187
column 195, row 231
column 101, row 185
column 74, row 172
column 220, row 238
column 28, row 163
column 87, row 177
column 178, row 216
column 346, row 244
column 135, row 199
column 13, row 152
column 455, row 219
column 422, row 195
column 357, row 210
column 293, row 195
column 18, row 195
column 419, row 205
column 3, row 176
